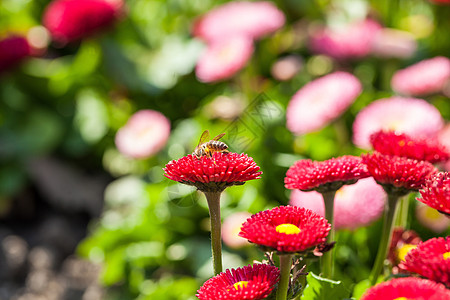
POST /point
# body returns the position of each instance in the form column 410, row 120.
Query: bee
column 208, row 148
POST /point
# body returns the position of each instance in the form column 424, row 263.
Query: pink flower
column 355, row 205
column 320, row 101
column 415, row 117
column 426, row 77
column 72, row 20
column 394, row 43
column 347, row 42
column 13, row 50
column 231, row 227
column 239, row 18
column 223, row 59
column 431, row 218
column 286, row 67
column 145, row 133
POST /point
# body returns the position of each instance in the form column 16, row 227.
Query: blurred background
column 96, row 97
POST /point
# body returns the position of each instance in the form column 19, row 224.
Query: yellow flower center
column 401, row 298
column 287, row 228
column 402, row 251
column 446, row 255
column 432, row 214
column 240, row 285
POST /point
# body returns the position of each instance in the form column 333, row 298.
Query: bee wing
column 203, row 137
column 218, row 137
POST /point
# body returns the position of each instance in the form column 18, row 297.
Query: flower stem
column 285, row 274
column 401, row 219
column 386, row 235
column 301, row 278
column 213, row 199
column 327, row 258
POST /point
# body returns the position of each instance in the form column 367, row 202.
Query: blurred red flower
column 247, row 19
column 72, row 20
column 392, row 143
column 144, row 134
column 325, row 176
column 222, row 59
column 425, row 77
column 320, row 101
column 407, row 288
column 415, row 117
column 353, row 40
column 213, row 173
column 436, row 192
column 430, row 259
column 286, row 229
column 249, row 283
column 13, row 50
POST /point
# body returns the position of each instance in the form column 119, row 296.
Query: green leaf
column 360, row 288
column 319, row 288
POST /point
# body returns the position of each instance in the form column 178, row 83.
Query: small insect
column 208, row 148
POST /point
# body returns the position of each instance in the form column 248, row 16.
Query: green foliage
column 319, row 288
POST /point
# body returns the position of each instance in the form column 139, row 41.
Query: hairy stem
column 386, row 235
column 285, row 273
column 213, row 199
column 327, row 260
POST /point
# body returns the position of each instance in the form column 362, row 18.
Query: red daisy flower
column 72, row 20
column 407, row 288
column 402, row 242
column 13, row 50
column 430, row 259
column 249, row 283
column 436, row 192
column 286, row 229
column 325, row 176
column 210, row 174
column 397, row 174
column 392, row 143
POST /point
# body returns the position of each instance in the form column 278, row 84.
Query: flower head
column 401, row 243
column 145, row 133
column 431, row 218
column 436, row 192
column 353, row 40
column 286, row 229
column 72, row 20
column 430, row 259
column 246, row 283
column 397, row 174
column 412, row 116
column 407, row 288
column 231, row 228
column 355, row 205
column 423, row 78
column 321, row 101
column 394, row 43
column 224, row 58
column 392, row 143
column 213, row 173
column 239, row 18
column 13, row 50
column 325, row 176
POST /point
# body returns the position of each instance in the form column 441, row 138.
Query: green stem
column 327, row 258
column 213, row 199
column 386, row 235
column 302, row 278
column 285, row 274
column 401, row 219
